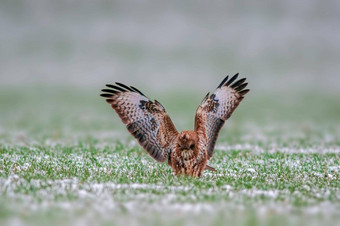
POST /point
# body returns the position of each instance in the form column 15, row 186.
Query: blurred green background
column 55, row 56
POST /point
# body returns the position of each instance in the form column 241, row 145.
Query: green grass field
column 65, row 158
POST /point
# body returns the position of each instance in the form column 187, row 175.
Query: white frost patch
column 251, row 170
column 335, row 169
column 255, row 192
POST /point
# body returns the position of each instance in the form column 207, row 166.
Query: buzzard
column 186, row 152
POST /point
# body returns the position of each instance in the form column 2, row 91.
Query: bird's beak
column 185, row 150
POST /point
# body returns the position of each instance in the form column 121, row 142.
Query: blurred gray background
column 281, row 46
column 55, row 56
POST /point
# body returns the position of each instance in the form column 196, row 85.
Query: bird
column 186, row 152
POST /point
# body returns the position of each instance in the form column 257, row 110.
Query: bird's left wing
column 146, row 120
column 215, row 109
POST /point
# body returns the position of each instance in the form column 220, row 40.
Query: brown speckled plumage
column 187, row 152
column 187, row 158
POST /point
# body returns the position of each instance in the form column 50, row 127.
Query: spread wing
column 216, row 108
column 146, row 120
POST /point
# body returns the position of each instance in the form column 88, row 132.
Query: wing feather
column 216, row 108
column 146, row 120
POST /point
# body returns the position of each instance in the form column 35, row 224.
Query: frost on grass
column 109, row 180
column 125, row 178
column 107, row 197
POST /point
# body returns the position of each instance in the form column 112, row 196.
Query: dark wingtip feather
column 109, row 85
column 118, row 88
column 241, row 87
column 124, row 86
column 232, row 79
column 106, row 95
column 137, row 90
column 222, row 83
column 109, row 91
column 238, row 83
column 244, row 92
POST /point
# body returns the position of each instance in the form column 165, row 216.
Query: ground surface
column 65, row 158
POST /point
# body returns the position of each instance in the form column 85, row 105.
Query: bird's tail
column 210, row 168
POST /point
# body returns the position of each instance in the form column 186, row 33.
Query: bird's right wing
column 216, row 108
column 146, row 120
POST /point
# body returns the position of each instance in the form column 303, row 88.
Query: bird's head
column 187, row 142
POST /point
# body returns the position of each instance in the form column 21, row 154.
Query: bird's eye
column 192, row 146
